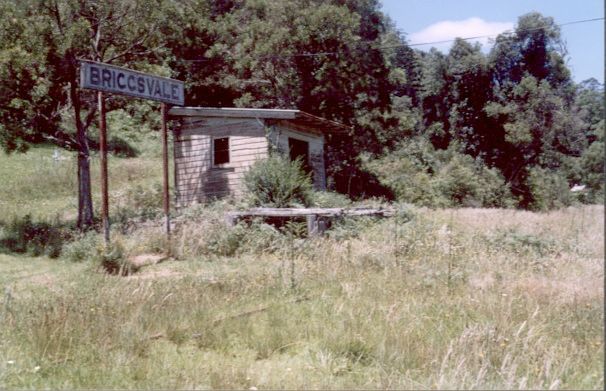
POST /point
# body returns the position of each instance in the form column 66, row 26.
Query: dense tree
column 41, row 42
column 511, row 117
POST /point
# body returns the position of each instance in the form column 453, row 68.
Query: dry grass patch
column 446, row 299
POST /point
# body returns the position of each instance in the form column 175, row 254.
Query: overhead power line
column 385, row 47
column 504, row 32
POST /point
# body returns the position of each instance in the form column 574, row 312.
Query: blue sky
column 436, row 20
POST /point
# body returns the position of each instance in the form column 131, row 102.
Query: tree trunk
column 85, row 200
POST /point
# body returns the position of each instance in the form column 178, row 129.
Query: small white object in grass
column 10, row 362
column 576, row 188
column 253, row 388
column 56, row 155
column 36, row 368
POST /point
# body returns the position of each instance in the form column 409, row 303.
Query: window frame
column 214, row 152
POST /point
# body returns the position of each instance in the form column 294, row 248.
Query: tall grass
column 471, row 298
column 35, row 183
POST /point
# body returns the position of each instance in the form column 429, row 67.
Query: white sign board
column 118, row 80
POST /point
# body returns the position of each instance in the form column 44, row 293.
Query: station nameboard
column 110, row 78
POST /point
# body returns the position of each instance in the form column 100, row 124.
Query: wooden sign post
column 109, row 78
column 103, row 153
column 164, row 113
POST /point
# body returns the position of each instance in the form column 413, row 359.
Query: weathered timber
column 251, row 134
column 318, row 219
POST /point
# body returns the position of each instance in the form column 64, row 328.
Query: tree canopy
column 511, row 117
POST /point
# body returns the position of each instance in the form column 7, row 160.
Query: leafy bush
column 82, row 248
column 421, row 175
column 514, row 241
column 225, row 241
column 121, row 148
column 463, row 181
column 592, row 163
column 278, row 182
column 549, row 189
column 204, row 232
column 112, row 259
column 139, row 204
column 24, row 235
column 328, row 199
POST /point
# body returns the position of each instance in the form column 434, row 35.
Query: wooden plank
column 232, row 112
column 318, row 219
column 234, row 144
column 299, row 128
column 236, row 167
column 195, row 182
column 249, row 156
column 288, row 212
column 238, row 150
column 205, row 128
column 300, row 212
column 193, row 139
column 231, row 131
column 209, row 184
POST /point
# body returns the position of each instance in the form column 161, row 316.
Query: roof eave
column 324, row 125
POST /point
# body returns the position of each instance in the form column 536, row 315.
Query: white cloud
column 451, row 29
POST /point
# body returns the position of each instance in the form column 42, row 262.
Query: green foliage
column 511, row 110
column 549, row 189
column 139, row 204
column 422, row 175
column 25, row 235
column 329, row 199
column 112, row 259
column 82, row 248
column 138, row 125
column 278, row 182
column 41, row 44
column 463, row 181
column 592, row 166
column 524, row 244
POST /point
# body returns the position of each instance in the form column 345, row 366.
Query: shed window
column 221, row 150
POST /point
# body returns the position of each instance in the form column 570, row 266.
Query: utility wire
column 504, row 32
column 385, row 47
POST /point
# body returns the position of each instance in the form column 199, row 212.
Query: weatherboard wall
column 197, row 179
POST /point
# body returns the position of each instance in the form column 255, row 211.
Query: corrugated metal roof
column 322, row 124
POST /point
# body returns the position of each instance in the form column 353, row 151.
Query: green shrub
column 225, row 241
column 464, row 181
column 278, row 182
column 549, row 189
column 519, row 243
column 24, row 235
column 120, row 147
column 419, row 174
column 112, row 259
column 409, row 171
column 140, row 204
column 592, row 163
column 83, row 248
column 328, row 199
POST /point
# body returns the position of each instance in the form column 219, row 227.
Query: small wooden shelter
column 213, row 147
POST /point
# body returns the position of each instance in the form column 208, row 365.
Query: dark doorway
column 300, row 149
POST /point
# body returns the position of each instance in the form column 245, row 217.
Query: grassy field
column 35, row 183
column 431, row 299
